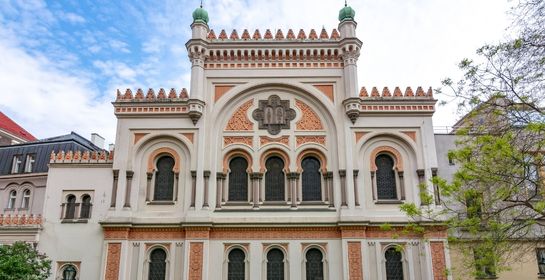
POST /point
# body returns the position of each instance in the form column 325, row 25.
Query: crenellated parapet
column 278, row 36
column 391, row 102
column 16, row 220
column 160, row 103
column 79, row 157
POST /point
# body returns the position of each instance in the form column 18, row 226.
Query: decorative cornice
column 84, row 158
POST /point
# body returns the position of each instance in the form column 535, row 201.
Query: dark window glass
column 164, row 179
column 274, row 179
column 394, row 266
column 70, row 207
column 85, row 207
column 474, row 205
column 315, row 265
column 69, row 273
column 275, row 265
column 484, row 264
column 157, row 264
column 236, row 269
column 238, row 179
column 312, row 183
column 386, row 179
column 540, row 252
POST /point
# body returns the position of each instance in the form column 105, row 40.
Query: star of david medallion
column 273, row 114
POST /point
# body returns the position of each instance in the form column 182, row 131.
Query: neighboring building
column 12, row 133
column 276, row 167
column 23, row 176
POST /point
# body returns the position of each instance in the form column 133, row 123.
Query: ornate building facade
column 275, row 166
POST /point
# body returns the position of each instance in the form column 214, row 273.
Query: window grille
column 70, row 207
column 314, row 265
column 85, row 207
column 164, row 179
column 386, row 179
column 157, row 264
column 235, row 268
column 238, row 179
column 274, row 179
column 312, row 183
column 394, row 266
column 275, row 265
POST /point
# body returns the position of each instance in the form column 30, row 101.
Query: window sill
column 313, row 203
column 161, row 202
column 236, row 203
column 388, row 201
column 74, row 221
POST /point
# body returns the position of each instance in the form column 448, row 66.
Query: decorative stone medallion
column 274, row 114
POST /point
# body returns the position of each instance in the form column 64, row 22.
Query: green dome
column 346, row 13
column 200, row 14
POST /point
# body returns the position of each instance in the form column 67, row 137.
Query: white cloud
column 73, row 18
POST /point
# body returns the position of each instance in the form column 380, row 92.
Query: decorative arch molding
column 308, row 120
column 398, row 160
column 307, row 152
column 162, row 151
column 239, row 120
column 235, row 153
column 176, row 141
column 274, row 152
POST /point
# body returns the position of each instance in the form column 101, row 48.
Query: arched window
column 314, row 264
column 11, row 199
column 235, row 267
column 311, row 180
column 157, row 264
column 394, row 265
column 238, row 179
column 164, row 179
column 69, row 272
column 85, row 207
column 386, row 179
column 70, row 207
column 275, row 264
column 274, row 179
column 25, row 203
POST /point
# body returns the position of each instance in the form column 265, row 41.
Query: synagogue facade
column 274, row 164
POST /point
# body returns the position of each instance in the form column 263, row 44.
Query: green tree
column 494, row 203
column 20, row 261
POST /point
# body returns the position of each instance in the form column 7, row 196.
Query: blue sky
column 61, row 61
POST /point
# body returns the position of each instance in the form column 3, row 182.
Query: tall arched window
column 311, row 179
column 238, row 179
column 25, row 203
column 274, row 179
column 70, row 207
column 157, row 264
column 394, row 265
column 85, row 207
column 314, row 264
column 386, row 179
column 236, row 268
column 164, row 179
column 11, row 199
column 275, row 264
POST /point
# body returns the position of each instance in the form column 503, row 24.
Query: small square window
column 29, row 163
column 16, row 164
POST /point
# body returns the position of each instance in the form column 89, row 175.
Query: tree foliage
column 20, row 261
column 495, row 199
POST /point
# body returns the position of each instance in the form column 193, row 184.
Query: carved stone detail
column 310, row 139
column 263, row 140
column 239, row 120
column 309, row 119
column 228, row 140
column 274, row 114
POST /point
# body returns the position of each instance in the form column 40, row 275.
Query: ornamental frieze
column 274, row 114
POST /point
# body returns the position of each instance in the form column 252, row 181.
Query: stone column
column 193, row 187
column 436, row 187
column 176, row 183
column 220, row 179
column 149, row 175
column 329, row 181
column 374, row 185
column 421, row 180
column 342, row 174
column 356, row 191
column 206, row 175
column 256, row 179
column 292, row 178
column 114, row 188
column 401, row 184
column 129, row 175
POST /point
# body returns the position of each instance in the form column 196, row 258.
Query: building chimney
column 111, row 147
column 97, row 140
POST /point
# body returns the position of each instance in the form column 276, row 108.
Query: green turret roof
column 346, row 13
column 200, row 15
